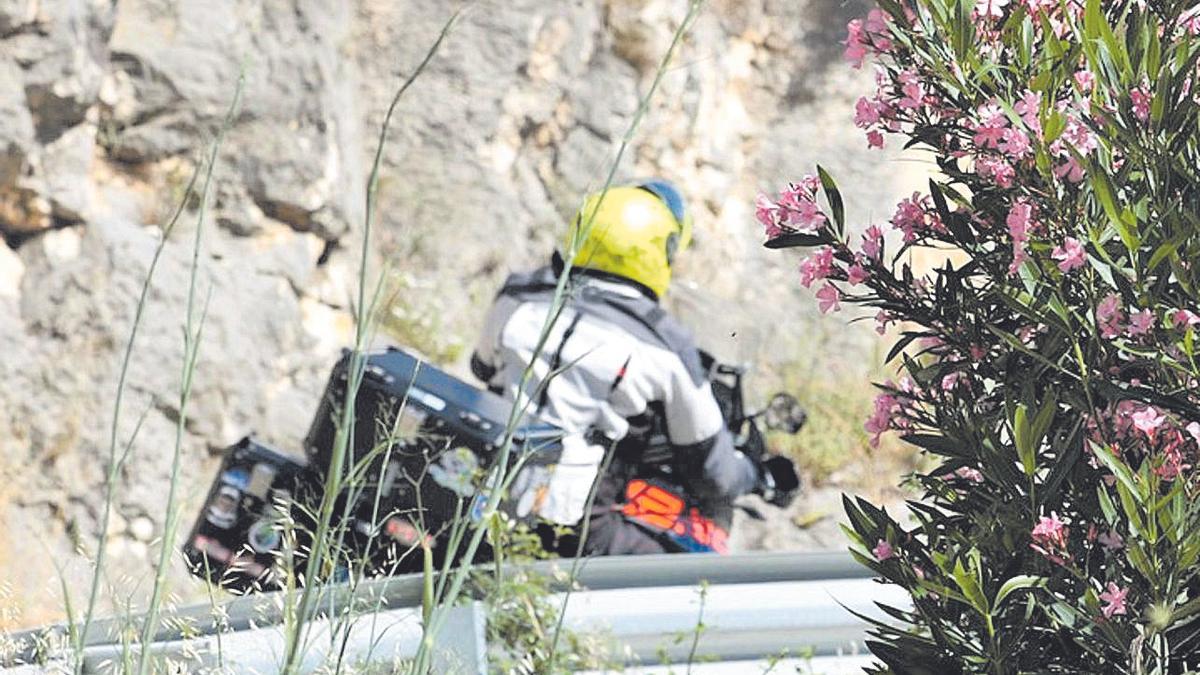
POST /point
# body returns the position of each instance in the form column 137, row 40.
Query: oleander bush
column 1049, row 367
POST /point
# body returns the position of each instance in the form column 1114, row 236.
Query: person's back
column 613, row 354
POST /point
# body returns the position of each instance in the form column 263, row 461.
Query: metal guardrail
column 755, row 606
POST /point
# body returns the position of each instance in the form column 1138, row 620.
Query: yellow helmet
column 635, row 232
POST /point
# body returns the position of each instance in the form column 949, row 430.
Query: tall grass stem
column 193, row 334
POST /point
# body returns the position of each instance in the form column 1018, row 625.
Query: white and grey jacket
column 617, row 351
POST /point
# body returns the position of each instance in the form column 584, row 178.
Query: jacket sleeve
column 701, row 443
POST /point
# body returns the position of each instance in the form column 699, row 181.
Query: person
column 613, row 365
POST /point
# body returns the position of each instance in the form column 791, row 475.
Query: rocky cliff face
column 105, row 106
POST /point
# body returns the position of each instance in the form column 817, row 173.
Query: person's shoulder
column 668, row 332
column 530, row 281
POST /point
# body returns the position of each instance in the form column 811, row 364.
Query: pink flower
column 883, row 551
column 913, row 218
column 1070, row 255
column 817, row 266
column 1080, row 135
column 997, row 169
column 1191, row 20
column 856, row 49
column 1173, row 462
column 872, row 246
column 882, row 319
column 1019, row 220
column 1148, row 420
column 1015, row 144
column 1140, row 322
column 805, row 217
column 1108, row 316
column 1050, row 532
column 765, row 214
column 990, row 130
column 884, row 417
column 950, row 381
column 1050, row 539
column 968, row 473
column 875, row 139
column 1183, row 318
column 1193, row 429
column 1030, row 108
column 876, row 28
column 827, row 298
column 799, row 207
column 1111, row 540
column 1114, row 599
column 912, row 91
column 1085, row 79
column 1070, row 169
column 866, row 113
column 1141, row 103
column 993, row 8
column 856, row 274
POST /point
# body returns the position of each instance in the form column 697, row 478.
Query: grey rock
column 582, row 161
column 606, row 115
column 292, row 177
column 66, row 165
column 16, row 15
column 20, row 208
column 236, row 212
column 64, row 80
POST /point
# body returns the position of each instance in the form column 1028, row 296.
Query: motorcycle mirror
column 784, row 413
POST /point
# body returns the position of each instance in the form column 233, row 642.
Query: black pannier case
column 241, row 526
column 439, row 437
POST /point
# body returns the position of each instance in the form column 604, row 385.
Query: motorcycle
column 420, row 456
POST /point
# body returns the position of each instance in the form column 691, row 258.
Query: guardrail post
column 461, row 645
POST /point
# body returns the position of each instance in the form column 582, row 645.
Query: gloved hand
column 778, row 481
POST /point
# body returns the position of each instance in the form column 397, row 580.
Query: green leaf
column 1133, row 511
column 963, row 29
column 1153, row 57
column 1096, row 26
column 1053, row 124
column 1115, row 465
column 1103, row 269
column 1102, row 186
column 837, row 209
column 1041, row 423
column 934, row 443
column 1106, row 505
column 1141, row 561
column 900, row 345
column 970, row 587
column 939, row 200
column 1165, row 249
column 798, row 239
column 1017, row 583
column 1022, row 436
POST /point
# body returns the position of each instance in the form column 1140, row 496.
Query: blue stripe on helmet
column 669, row 194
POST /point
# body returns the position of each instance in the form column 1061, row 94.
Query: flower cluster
column 796, row 210
column 1050, row 539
